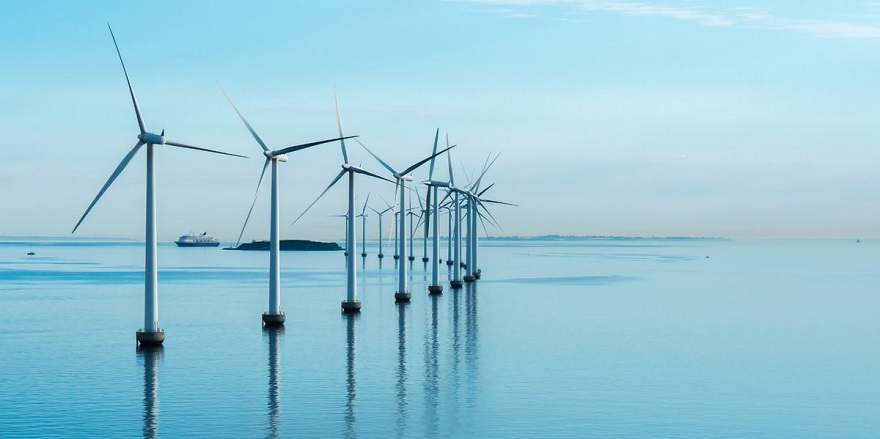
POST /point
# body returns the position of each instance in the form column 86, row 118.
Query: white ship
column 192, row 240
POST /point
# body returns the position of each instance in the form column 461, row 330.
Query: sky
column 740, row 119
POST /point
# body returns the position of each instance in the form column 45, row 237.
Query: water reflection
column 274, row 335
column 151, row 357
column 471, row 334
column 432, row 380
column 401, row 369
column 350, row 377
column 456, row 349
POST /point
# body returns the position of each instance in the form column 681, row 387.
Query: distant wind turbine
column 379, row 214
column 151, row 333
column 403, row 294
column 275, row 316
column 363, row 216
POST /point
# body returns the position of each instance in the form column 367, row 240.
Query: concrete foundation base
column 448, row 262
column 456, row 284
column 469, row 279
column 478, row 273
column 150, row 338
column 463, row 265
column 425, row 259
column 435, row 289
column 381, row 256
column 402, row 297
column 273, row 319
column 363, row 255
column 412, row 258
column 396, row 257
column 351, row 307
column 345, row 254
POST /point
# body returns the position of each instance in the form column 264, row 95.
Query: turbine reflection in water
column 471, row 343
column 350, row 378
column 401, row 369
column 151, row 357
column 274, row 334
column 432, row 381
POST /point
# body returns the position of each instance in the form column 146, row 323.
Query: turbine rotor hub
column 151, row 138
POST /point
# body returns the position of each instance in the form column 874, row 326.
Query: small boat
column 31, row 253
column 192, row 240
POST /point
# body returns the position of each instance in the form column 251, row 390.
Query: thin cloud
column 737, row 17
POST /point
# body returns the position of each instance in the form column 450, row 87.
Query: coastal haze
column 637, row 118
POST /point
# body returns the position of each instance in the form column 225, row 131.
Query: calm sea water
column 597, row 338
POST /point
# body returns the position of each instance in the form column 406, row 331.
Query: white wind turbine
column 474, row 201
column 379, row 214
column 432, row 215
column 151, row 333
column 351, row 304
column 403, row 294
column 275, row 316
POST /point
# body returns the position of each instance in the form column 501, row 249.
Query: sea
column 559, row 338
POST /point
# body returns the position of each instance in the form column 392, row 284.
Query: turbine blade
column 422, row 162
column 184, row 145
column 391, row 170
column 485, row 168
column 430, row 207
column 431, row 172
column 365, row 203
column 339, row 123
column 338, row 176
column 489, row 217
column 137, row 108
column 110, row 180
column 449, row 161
column 251, row 129
column 483, row 223
column 256, row 194
column 484, row 190
column 363, row 171
column 307, row 145
column 497, row 202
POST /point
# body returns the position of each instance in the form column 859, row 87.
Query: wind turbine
column 435, row 286
column 403, row 294
column 379, row 214
column 151, row 333
column 275, row 316
column 351, row 304
column 363, row 217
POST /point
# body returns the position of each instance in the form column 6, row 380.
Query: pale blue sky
column 655, row 117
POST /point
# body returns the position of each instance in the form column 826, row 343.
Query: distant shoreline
column 601, row 238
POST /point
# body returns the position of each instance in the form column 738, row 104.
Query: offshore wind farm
column 654, row 219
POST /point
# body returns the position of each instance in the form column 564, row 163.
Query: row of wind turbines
column 469, row 196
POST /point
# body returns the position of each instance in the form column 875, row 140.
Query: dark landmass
column 290, row 245
column 600, row 238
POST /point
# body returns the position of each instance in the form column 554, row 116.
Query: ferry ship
column 191, row 240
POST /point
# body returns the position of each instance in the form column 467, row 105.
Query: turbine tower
column 363, row 216
column 151, row 333
column 403, row 294
column 275, row 316
column 350, row 304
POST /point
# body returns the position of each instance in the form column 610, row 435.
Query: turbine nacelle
column 270, row 155
column 154, row 139
column 436, row 183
